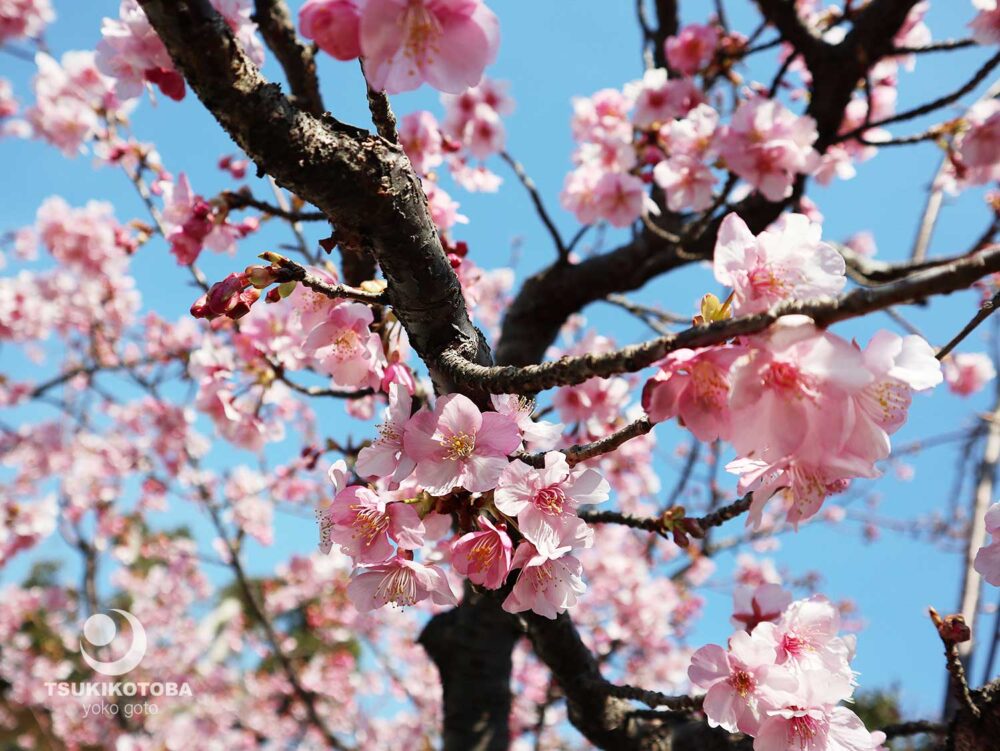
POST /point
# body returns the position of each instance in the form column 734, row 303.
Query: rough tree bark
column 367, row 188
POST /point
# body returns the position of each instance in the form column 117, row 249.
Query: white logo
column 100, row 630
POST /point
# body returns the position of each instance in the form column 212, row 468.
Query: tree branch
column 363, row 183
column 297, row 59
column 943, row 279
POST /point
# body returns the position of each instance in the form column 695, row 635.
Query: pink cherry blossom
column 547, row 586
column 447, row 43
column 456, row 445
column 987, row 560
column 658, row 98
column 687, row 183
column 24, row 18
column 602, row 116
column 787, row 261
column 460, row 108
column 131, row 53
column 967, row 372
column 807, row 635
column 193, row 223
column 334, row 25
column 621, row 198
column 484, row 556
column 979, row 147
column 986, row 25
column 694, row 387
column 545, row 500
column 900, row 366
column 401, row 582
column 420, row 137
column 789, row 392
column 385, row 456
column 813, row 729
column 538, row 435
column 365, row 525
column 763, row 603
column 68, row 96
column 768, row 146
column 595, row 400
column 743, row 682
column 483, row 134
column 88, row 239
column 344, row 347
column 444, row 210
column 692, row 49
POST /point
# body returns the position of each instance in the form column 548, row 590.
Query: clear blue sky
column 549, row 54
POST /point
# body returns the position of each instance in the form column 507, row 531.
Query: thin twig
column 536, row 199
column 581, row 452
column 242, row 200
column 984, row 312
column 931, row 106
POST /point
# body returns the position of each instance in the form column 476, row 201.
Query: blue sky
column 550, row 54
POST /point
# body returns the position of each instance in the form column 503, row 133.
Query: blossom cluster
column 131, row 53
column 805, row 410
column 661, row 129
column 405, row 43
column 784, row 680
column 418, row 464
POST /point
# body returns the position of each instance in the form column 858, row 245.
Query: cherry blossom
column 420, row 135
column 788, row 261
column 538, row 435
column 763, row 603
column 828, row 728
column 768, row 146
column 344, row 347
column 399, row 582
column 484, row 556
column 385, row 456
column 967, row 372
column 694, row 387
column 447, row 43
column 987, row 560
column 546, row 585
column 24, row 18
column 692, row 49
column 986, row 25
column 545, row 500
column 456, row 445
column 334, row 25
column 743, row 681
column 365, row 525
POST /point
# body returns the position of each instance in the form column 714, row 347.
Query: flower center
column 802, row 730
column 369, row 524
column 459, row 446
column 398, row 588
column 483, row 553
column 783, row 376
column 550, row 500
column 743, row 683
column 794, row 645
column 422, row 32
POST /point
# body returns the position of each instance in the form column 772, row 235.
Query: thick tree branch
column 363, row 183
column 943, row 279
column 297, row 59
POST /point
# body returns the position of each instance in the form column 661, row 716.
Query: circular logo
column 100, row 630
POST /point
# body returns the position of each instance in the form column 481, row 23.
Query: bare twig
column 985, row 311
column 536, row 199
column 931, row 106
column 584, row 451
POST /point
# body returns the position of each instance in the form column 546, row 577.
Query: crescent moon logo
column 100, row 630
